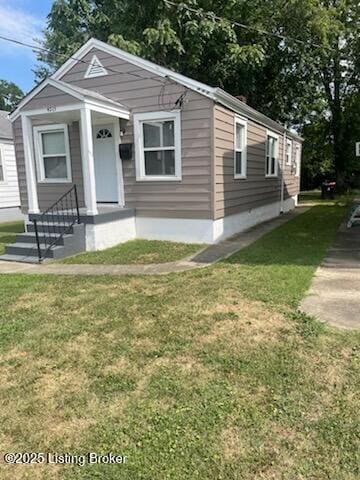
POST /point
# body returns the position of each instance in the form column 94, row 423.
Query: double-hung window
column 2, row 169
column 272, row 150
column 240, row 147
column 158, row 146
column 288, row 152
column 53, row 153
column 297, row 160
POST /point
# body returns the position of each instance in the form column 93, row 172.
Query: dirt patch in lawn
column 244, row 323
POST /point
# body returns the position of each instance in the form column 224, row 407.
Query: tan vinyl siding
column 49, row 96
column 239, row 195
column 20, row 163
column 208, row 188
column 188, row 198
column 48, row 193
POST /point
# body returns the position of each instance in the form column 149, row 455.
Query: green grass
column 310, row 196
column 8, row 233
column 278, row 268
column 137, row 252
column 314, row 197
column 207, row 374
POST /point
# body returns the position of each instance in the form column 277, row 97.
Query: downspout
column 282, row 173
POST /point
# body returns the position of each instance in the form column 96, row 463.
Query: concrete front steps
column 25, row 248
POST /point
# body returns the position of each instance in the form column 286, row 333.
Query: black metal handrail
column 56, row 222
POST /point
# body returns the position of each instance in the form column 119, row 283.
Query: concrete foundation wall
column 105, row 235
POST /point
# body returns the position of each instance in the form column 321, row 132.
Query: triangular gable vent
column 95, row 69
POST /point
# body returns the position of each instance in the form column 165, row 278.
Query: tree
column 10, row 95
column 307, row 61
column 340, row 71
column 196, row 43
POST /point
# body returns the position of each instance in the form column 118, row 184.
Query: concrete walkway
column 204, row 258
column 334, row 295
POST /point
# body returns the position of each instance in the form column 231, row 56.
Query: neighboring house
column 9, row 189
column 195, row 164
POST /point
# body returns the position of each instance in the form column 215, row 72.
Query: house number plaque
column 51, row 108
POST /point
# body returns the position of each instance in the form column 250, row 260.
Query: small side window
column 288, row 152
column 272, row 150
column 297, row 160
column 240, row 148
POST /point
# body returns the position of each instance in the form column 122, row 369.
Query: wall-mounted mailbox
column 125, row 150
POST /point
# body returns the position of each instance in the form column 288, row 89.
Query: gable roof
column 83, row 93
column 216, row 94
column 5, row 125
column 79, row 93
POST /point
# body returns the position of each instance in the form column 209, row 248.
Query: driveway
column 334, row 295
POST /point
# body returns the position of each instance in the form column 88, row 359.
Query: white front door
column 106, row 177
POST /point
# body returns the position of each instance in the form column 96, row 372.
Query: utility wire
column 242, row 25
column 167, row 80
column 42, row 49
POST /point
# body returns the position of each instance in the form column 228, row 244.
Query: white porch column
column 31, row 183
column 87, row 156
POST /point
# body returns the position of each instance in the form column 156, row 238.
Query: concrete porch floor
column 106, row 213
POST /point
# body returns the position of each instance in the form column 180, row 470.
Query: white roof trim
column 95, row 68
column 216, row 94
column 48, row 81
column 135, row 60
column 76, row 92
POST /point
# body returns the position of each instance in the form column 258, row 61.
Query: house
column 9, row 189
column 153, row 154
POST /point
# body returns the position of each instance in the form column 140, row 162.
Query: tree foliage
column 10, row 95
column 304, row 70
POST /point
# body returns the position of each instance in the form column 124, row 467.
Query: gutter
column 233, row 103
column 282, row 173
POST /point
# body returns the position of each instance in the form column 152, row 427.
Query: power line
column 244, row 26
column 163, row 83
column 45, row 50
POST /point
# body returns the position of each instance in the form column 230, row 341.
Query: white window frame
column 273, row 135
column 289, row 159
column 38, row 131
column 297, row 160
column 241, row 121
column 139, row 119
column 2, row 164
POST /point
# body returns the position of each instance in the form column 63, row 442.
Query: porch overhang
column 82, row 98
column 67, row 104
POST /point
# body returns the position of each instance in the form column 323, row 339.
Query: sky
column 21, row 20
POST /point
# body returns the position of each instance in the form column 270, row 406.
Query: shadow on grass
column 12, row 227
column 7, row 238
column 313, row 195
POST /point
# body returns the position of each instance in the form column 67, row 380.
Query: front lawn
column 137, row 252
column 206, row 374
column 313, row 197
column 278, row 268
column 8, row 233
